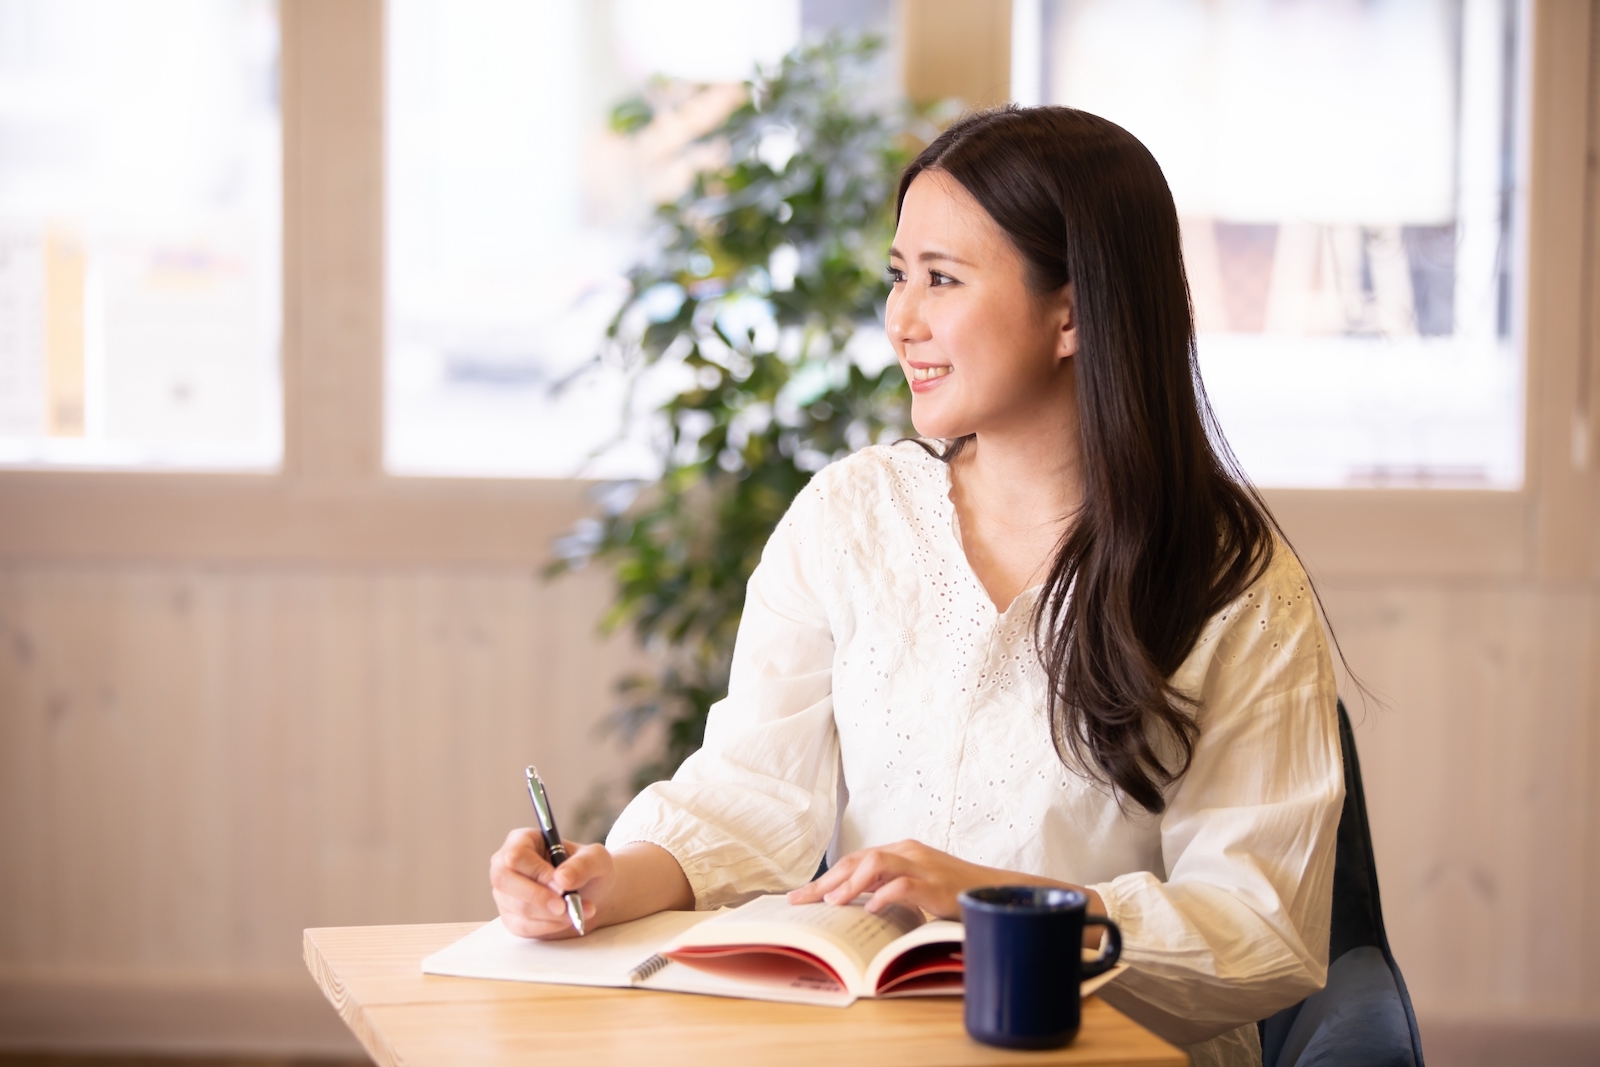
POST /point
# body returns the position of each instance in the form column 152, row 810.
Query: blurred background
column 326, row 326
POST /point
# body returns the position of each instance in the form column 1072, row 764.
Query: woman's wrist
column 648, row 879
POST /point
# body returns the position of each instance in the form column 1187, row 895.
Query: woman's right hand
column 527, row 890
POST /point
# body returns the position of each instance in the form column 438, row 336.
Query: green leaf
column 632, row 114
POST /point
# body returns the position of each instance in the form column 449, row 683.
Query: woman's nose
column 903, row 320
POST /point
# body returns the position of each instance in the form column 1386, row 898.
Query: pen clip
column 547, row 819
column 541, row 803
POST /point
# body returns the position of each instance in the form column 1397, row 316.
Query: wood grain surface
column 373, row 976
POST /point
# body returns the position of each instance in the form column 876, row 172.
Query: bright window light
column 140, row 234
column 1345, row 176
column 513, row 211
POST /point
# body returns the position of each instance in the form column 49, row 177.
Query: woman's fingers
column 585, row 864
column 874, row 867
column 528, row 890
column 519, row 864
column 531, row 896
column 512, row 865
column 539, row 929
column 906, row 872
column 814, row 890
column 861, row 872
column 522, row 860
column 834, row 876
column 902, row 890
column 526, row 919
column 809, row 893
column 528, row 908
column 522, row 853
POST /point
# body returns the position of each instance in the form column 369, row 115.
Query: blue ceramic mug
column 1023, row 962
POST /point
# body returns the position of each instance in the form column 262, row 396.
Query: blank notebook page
column 604, row 957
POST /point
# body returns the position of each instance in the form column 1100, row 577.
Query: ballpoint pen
column 552, row 844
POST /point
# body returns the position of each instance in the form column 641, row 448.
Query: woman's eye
column 937, row 278
column 896, row 275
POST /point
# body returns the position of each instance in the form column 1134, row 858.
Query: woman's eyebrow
column 944, row 257
column 928, row 257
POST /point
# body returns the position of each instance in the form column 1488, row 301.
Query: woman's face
column 982, row 353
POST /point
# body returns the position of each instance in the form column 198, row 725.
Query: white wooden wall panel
column 198, row 763
column 1481, row 776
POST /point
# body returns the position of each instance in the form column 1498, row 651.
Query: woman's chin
column 936, row 429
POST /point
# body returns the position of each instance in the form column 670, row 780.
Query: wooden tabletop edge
column 349, row 1009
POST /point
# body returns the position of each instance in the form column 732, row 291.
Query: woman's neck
column 1015, row 493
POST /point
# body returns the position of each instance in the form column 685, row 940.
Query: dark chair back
column 1363, row 1017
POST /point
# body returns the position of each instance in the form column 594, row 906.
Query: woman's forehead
column 938, row 215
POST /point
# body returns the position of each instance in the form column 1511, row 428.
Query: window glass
column 1344, row 176
column 140, row 233
column 514, row 209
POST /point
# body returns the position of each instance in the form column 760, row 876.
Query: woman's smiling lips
column 925, row 376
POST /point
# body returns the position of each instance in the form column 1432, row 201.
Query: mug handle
column 1112, row 952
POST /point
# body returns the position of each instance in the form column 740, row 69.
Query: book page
column 944, row 932
column 757, row 976
column 606, row 957
column 847, row 937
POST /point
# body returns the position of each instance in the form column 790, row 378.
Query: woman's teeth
column 922, row 374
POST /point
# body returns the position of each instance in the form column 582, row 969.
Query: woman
column 1056, row 642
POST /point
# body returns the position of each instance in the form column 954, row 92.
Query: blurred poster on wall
column 140, row 234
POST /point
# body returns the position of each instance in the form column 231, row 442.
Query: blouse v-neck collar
column 951, row 526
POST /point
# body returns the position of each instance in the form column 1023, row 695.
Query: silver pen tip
column 575, row 912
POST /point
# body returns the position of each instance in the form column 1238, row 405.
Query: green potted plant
column 767, row 278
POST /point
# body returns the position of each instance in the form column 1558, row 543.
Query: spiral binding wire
column 649, row 967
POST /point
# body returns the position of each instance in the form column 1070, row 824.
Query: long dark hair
column 1169, row 531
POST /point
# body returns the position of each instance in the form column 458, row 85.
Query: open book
column 767, row 949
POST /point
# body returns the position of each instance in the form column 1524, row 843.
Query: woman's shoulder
column 881, row 473
column 1280, row 587
column 877, row 500
column 1273, row 618
column 861, row 514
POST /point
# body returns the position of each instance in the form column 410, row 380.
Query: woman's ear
column 1066, row 323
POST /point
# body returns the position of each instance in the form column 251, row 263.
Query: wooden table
column 373, row 975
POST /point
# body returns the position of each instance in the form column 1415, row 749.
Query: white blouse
column 877, row 695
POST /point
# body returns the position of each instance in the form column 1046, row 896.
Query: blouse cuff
column 650, row 831
column 719, row 868
column 696, row 878
column 1115, row 911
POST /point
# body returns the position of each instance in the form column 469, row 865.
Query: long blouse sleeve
column 753, row 810
column 1238, row 928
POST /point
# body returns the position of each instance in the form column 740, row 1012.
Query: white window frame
column 332, row 502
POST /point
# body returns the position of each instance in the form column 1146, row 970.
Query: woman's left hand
column 914, row 874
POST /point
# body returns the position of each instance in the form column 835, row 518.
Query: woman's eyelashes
column 936, row 278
